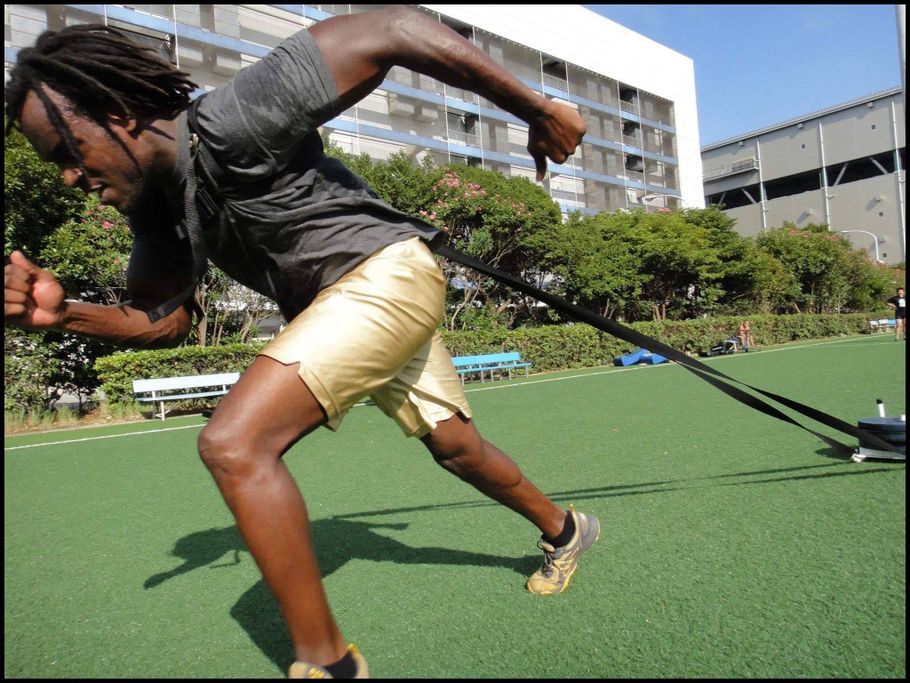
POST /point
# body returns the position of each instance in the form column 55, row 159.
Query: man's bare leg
column 266, row 412
column 459, row 448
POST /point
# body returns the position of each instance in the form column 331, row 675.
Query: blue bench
column 489, row 362
column 882, row 325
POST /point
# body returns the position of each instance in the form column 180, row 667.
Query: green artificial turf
column 733, row 545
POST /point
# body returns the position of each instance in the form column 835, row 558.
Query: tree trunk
column 202, row 323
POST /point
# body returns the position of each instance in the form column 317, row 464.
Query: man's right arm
column 34, row 299
column 321, row 71
column 359, row 49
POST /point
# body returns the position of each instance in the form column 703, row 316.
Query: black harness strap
column 191, row 225
column 170, row 305
column 705, row 372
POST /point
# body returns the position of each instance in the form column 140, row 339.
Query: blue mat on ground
column 639, row 356
column 630, row 358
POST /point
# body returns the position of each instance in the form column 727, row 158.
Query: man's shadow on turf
column 336, row 541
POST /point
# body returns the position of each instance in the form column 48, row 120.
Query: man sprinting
column 240, row 177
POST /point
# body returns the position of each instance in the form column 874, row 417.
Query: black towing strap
column 705, row 372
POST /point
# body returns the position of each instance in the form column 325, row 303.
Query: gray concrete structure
column 843, row 166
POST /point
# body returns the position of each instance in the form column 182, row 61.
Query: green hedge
column 577, row 346
column 556, row 347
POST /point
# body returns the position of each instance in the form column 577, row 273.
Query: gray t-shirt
column 289, row 220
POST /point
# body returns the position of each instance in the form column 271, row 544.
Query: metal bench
column 180, row 388
column 489, row 362
column 882, row 325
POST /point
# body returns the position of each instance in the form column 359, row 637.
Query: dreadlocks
column 101, row 72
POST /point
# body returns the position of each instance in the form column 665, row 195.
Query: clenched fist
column 32, row 297
column 555, row 133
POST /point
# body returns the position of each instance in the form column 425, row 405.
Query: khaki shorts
column 375, row 333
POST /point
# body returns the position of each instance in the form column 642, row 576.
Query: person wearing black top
column 899, row 304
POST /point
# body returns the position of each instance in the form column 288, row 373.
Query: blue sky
column 759, row 65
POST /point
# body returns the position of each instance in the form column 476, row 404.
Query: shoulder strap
column 171, row 305
column 191, row 224
column 191, row 211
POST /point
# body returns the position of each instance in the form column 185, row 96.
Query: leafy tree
column 867, row 284
column 751, row 280
column 90, row 253
column 821, row 264
column 681, row 264
column 737, row 271
column 233, row 312
column 400, row 180
column 759, row 283
column 36, row 201
column 30, row 366
column 495, row 219
column 40, row 366
column 593, row 262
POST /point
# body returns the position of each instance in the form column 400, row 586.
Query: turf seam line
column 96, row 438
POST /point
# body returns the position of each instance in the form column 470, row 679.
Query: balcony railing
column 741, row 166
column 556, row 82
column 629, row 174
column 462, row 138
column 628, row 106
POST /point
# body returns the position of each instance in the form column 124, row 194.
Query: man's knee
column 226, row 453
column 456, row 444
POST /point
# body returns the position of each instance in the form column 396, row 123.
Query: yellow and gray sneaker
column 559, row 564
column 305, row 670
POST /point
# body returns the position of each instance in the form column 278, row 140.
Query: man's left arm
column 359, row 50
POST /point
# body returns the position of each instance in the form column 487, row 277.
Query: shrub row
column 556, row 347
column 578, row 346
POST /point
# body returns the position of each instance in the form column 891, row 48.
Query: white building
column 637, row 96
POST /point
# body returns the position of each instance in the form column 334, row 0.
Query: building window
column 554, row 74
column 462, row 128
column 161, row 43
column 732, row 199
column 793, row 184
column 462, row 29
column 634, row 163
column 631, row 133
column 863, row 167
column 628, row 98
column 466, row 160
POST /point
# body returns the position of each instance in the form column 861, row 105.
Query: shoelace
column 549, row 554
